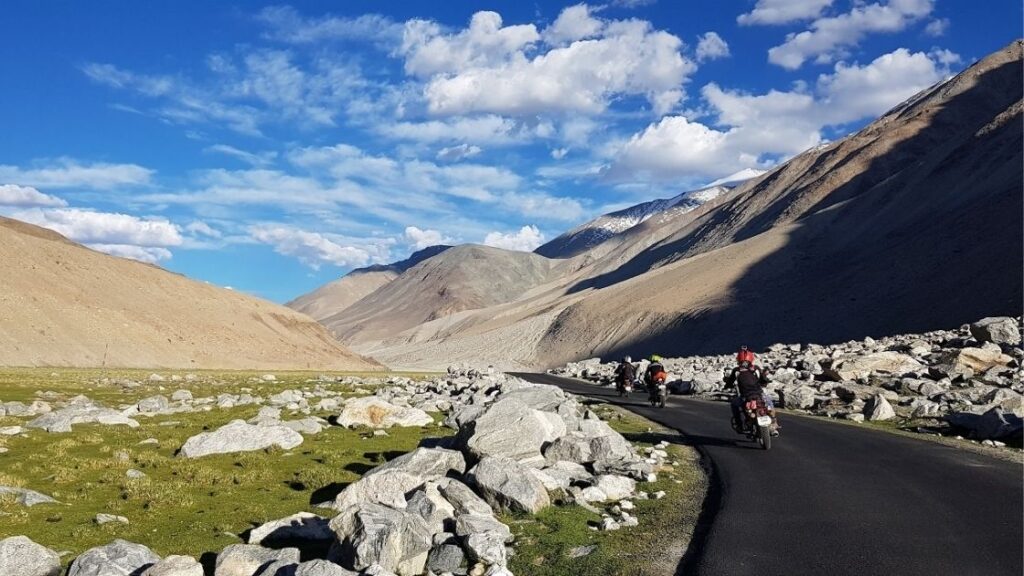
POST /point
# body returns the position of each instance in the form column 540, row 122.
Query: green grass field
column 199, row 506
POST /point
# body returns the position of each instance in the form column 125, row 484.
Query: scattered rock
column 102, row 519
column 376, row 413
column 20, row 556
column 239, row 436
column 301, row 526
column 998, row 330
column 247, row 559
column 509, row 486
column 119, row 558
column 27, row 497
column 175, row 566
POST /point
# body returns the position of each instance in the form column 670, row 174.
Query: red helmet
column 745, row 355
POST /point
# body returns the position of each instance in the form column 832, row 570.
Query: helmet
column 655, row 358
column 627, row 359
column 745, row 355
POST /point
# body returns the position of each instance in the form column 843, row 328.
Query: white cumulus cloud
column 749, row 129
column 783, row 11
column 315, row 249
column 578, row 65
column 27, row 196
column 145, row 239
column 829, row 36
column 527, row 239
column 711, row 46
column 418, row 239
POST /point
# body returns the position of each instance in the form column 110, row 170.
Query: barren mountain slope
column 62, row 304
column 336, row 296
column 909, row 225
column 462, row 278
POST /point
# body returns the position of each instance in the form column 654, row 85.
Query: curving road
column 832, row 498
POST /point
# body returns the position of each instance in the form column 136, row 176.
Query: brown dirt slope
column 912, row 224
column 62, row 304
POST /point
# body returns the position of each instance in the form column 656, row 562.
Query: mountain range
column 910, row 224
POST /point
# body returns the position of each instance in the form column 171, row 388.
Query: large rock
column 431, row 506
column 462, row 498
column 446, row 559
column 881, row 410
column 468, row 524
column 247, row 559
column 119, row 558
column 321, row 568
column 390, row 482
column 153, row 404
column 397, row 540
column 797, row 397
column 998, row 330
column 27, row 497
column 966, row 362
column 301, row 526
column 856, row 366
column 487, row 547
column 175, row 566
column 994, row 424
column 509, row 428
column 376, row 413
column 62, row 420
column 508, row 485
column 23, row 557
column 238, row 436
column 615, row 487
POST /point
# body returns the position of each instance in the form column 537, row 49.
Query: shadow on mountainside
column 927, row 236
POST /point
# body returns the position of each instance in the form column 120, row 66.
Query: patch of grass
column 544, row 543
column 181, row 506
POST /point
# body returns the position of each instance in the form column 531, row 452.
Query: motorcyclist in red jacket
column 749, row 380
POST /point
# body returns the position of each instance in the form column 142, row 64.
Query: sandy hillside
column 914, row 223
column 64, row 305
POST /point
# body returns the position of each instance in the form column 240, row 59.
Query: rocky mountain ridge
column 868, row 235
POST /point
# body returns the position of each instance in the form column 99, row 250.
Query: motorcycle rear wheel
column 764, row 437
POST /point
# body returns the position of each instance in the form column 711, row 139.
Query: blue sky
column 272, row 147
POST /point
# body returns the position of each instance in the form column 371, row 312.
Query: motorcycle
column 625, row 389
column 757, row 423
column 658, row 393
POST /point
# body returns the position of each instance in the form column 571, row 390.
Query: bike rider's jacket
column 652, row 371
column 749, row 380
column 625, row 373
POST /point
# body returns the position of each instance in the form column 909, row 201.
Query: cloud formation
column 578, row 64
column 828, row 37
column 527, row 239
column 783, row 11
column 710, row 46
column 749, row 130
column 26, row 197
column 315, row 249
column 71, row 173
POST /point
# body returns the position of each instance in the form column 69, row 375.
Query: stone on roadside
column 391, row 481
column 998, row 330
column 238, row 436
column 371, row 533
column 21, row 556
column 881, row 410
column 247, row 559
column 118, row 558
column 856, row 366
column 175, row 565
column 508, row 485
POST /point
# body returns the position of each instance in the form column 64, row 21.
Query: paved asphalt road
column 832, row 498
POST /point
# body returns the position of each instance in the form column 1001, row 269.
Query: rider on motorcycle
column 655, row 372
column 625, row 373
column 749, row 381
